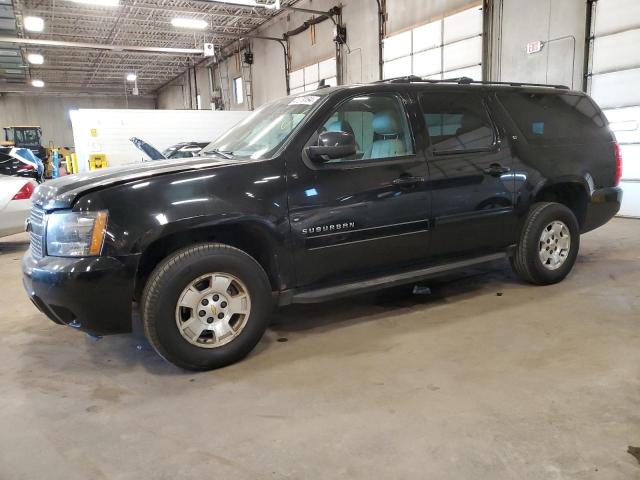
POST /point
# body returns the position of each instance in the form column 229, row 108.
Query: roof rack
column 467, row 81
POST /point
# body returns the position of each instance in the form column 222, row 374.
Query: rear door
column 470, row 174
column 368, row 213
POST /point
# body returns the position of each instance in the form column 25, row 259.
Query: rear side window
column 457, row 122
column 553, row 118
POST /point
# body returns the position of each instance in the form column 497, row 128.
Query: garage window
column 446, row 48
column 457, row 122
column 238, row 93
column 308, row 78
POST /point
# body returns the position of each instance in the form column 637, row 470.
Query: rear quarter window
column 556, row 118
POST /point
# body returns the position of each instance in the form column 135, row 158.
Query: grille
column 36, row 220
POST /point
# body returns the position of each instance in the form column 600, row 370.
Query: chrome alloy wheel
column 554, row 245
column 212, row 310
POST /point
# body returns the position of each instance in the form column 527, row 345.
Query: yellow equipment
column 97, row 160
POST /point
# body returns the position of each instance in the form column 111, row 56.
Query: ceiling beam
column 101, row 46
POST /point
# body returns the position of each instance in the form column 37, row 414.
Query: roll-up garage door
column 614, row 83
column 448, row 47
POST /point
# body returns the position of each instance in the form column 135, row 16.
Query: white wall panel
column 630, row 200
column 428, row 62
column 311, row 74
column 616, row 89
column 616, row 52
column 397, row 46
column 427, row 36
column 296, row 79
column 463, row 54
column 630, row 162
column 160, row 128
column 327, row 68
column 616, row 15
column 474, row 73
column 397, row 68
column 463, row 25
column 625, row 123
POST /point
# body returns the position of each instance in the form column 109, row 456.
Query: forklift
column 25, row 137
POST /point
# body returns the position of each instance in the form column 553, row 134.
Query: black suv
column 320, row 195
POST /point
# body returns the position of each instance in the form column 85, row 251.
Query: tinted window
column 457, row 122
column 553, row 118
column 378, row 123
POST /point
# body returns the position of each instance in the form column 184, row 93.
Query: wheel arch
column 572, row 192
column 251, row 236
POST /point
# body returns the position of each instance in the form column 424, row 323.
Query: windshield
column 264, row 131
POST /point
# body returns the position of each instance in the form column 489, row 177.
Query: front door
column 368, row 213
column 470, row 174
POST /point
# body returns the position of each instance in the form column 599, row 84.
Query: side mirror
column 333, row 145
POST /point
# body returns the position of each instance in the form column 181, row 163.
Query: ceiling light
column 8, row 53
column 189, row 23
column 37, row 83
column 132, row 77
column 35, row 58
column 33, row 24
column 100, row 3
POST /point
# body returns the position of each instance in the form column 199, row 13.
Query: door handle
column 403, row 181
column 496, row 169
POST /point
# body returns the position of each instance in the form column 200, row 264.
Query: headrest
column 340, row 126
column 385, row 124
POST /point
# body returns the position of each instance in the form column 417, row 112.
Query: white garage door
column 449, row 47
column 615, row 85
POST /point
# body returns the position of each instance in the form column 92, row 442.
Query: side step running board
column 337, row 291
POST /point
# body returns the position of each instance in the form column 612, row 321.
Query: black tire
column 527, row 262
column 169, row 279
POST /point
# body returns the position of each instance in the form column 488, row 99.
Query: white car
column 15, row 203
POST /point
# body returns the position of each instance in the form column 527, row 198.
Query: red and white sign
column 534, row 47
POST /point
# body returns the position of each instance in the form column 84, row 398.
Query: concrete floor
column 536, row 383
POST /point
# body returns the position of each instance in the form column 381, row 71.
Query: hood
column 150, row 151
column 62, row 192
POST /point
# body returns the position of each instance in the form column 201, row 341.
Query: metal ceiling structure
column 12, row 66
column 135, row 23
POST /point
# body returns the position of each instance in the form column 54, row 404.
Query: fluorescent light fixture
column 33, row 24
column 99, row 3
column 8, row 53
column 13, row 71
column 192, row 23
column 37, row 83
column 35, row 58
column 132, row 77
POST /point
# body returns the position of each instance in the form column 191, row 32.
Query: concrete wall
column 559, row 23
column 52, row 112
column 514, row 23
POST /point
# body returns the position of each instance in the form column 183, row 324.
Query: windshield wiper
column 220, row 153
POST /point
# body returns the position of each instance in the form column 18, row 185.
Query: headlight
column 76, row 234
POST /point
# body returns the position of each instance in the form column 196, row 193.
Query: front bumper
column 602, row 207
column 90, row 294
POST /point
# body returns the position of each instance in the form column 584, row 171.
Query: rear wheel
column 206, row 306
column 548, row 244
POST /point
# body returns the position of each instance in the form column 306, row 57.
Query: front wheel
column 206, row 306
column 548, row 245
